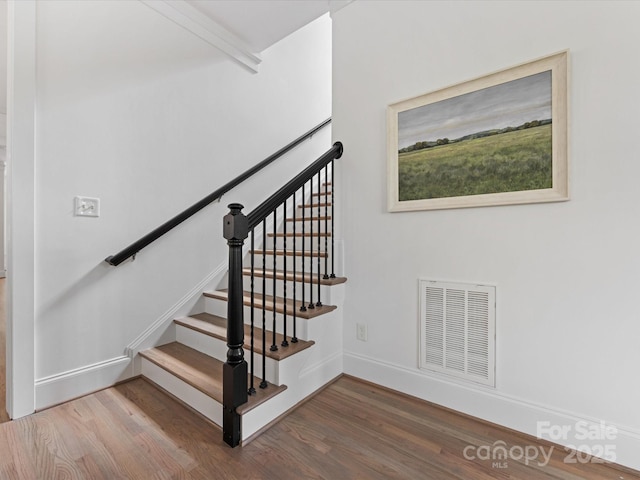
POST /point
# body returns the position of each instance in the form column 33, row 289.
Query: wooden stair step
column 314, row 205
column 280, row 304
column 215, row 326
column 203, row 373
column 321, row 194
column 290, row 253
column 289, row 276
column 298, row 234
column 308, row 219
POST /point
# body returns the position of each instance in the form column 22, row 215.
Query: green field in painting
column 507, row 162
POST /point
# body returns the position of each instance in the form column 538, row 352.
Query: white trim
column 3, row 125
column 154, row 332
column 20, row 236
column 314, row 367
column 183, row 14
column 305, row 384
column 81, row 381
column 487, row 404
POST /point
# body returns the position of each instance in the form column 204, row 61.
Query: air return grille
column 457, row 330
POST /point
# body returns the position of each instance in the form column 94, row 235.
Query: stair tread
column 299, row 234
column 280, row 275
column 308, row 219
column 308, row 313
column 290, row 253
column 314, row 205
column 203, row 372
column 216, row 326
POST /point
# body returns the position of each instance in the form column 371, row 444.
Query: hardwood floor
column 350, row 430
column 3, row 344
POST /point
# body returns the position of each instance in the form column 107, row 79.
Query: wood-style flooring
column 350, row 430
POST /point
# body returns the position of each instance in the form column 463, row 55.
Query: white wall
column 135, row 110
column 3, row 125
column 566, row 273
column 21, row 94
column 3, row 59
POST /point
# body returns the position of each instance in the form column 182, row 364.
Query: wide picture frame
column 500, row 139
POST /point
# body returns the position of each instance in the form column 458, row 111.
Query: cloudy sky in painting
column 508, row 104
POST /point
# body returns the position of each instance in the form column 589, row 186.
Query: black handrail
column 265, row 208
column 152, row 236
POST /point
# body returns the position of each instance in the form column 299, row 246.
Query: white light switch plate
column 86, row 207
column 361, row 332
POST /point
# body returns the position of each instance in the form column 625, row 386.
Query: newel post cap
column 236, row 225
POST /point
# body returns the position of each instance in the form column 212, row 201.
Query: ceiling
column 261, row 23
column 256, row 23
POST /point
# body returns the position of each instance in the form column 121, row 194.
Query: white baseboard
column 621, row 442
column 75, row 383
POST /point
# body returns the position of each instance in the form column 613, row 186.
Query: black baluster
column 274, row 347
column 252, row 389
column 326, row 223
column 303, row 308
column 263, row 383
column 319, row 259
column 311, row 304
column 294, row 339
column 333, row 236
column 284, row 281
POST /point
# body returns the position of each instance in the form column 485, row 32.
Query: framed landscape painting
column 497, row 140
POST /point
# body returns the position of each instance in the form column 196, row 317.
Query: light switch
column 87, row 207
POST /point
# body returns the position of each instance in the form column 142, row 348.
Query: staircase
column 284, row 296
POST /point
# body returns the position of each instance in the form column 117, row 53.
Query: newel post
column 234, row 373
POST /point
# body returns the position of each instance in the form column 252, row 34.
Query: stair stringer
column 162, row 330
column 309, row 370
column 305, row 372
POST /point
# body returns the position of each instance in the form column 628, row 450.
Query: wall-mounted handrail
column 152, row 236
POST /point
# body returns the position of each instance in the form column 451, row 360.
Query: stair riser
column 279, row 243
column 280, row 246
column 197, row 400
column 219, row 307
column 307, row 223
column 217, row 348
column 299, row 240
column 291, row 261
column 325, row 290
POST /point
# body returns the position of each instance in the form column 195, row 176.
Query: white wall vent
column 457, row 330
